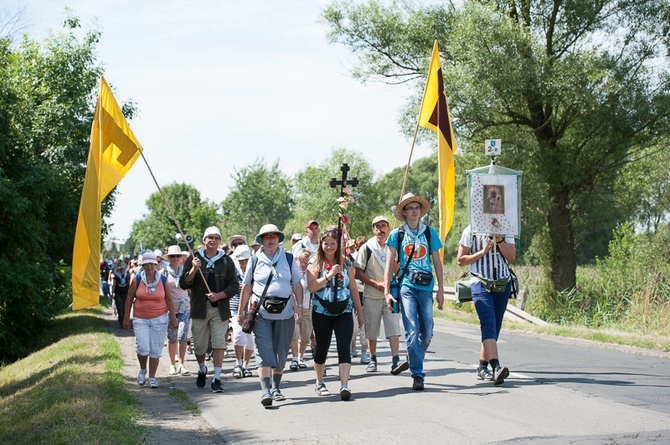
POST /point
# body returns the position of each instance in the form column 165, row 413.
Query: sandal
column 301, row 364
column 246, row 372
column 237, row 372
column 294, row 365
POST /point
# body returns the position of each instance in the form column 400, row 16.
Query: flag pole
column 174, row 218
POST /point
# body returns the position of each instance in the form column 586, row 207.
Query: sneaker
column 294, row 365
column 173, row 370
column 216, row 386
column 500, row 374
column 321, row 389
column 402, row 365
column 277, row 395
column 202, row 379
column 345, row 393
column 418, row 383
column 142, row 377
column 484, row 374
column 372, row 366
column 365, row 357
column 266, row 400
column 353, row 351
column 153, row 383
column 183, row 370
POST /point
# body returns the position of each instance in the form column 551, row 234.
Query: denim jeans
column 417, row 317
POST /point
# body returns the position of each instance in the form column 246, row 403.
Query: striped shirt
column 492, row 266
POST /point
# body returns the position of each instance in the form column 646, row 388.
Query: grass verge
column 71, row 390
column 187, row 403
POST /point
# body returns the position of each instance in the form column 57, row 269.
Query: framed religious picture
column 494, row 201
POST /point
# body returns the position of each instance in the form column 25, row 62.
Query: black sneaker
column 202, row 379
column 500, row 374
column 345, row 393
column 266, row 400
column 484, row 374
column 216, row 386
column 402, row 365
column 418, row 383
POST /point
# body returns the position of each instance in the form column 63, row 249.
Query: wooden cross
column 344, row 182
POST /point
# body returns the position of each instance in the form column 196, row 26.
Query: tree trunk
column 563, row 257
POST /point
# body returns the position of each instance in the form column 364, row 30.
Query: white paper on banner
column 494, row 206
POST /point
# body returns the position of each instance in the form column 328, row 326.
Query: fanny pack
column 275, row 305
column 333, row 307
column 419, row 277
column 494, row 286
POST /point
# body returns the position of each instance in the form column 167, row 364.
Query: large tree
column 157, row 229
column 261, row 195
column 575, row 89
column 47, row 91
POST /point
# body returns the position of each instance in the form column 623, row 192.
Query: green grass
column 182, row 397
column 71, row 390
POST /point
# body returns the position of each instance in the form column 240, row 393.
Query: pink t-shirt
column 149, row 304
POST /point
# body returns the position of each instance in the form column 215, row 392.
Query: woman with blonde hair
column 331, row 280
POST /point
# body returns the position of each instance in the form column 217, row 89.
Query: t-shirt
column 491, row 266
column 283, row 277
column 369, row 260
column 420, row 257
column 327, row 292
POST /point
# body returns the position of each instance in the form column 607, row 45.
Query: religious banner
column 494, row 204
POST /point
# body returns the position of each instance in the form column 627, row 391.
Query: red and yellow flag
column 434, row 115
column 112, row 152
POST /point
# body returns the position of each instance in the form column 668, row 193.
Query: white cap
column 213, row 230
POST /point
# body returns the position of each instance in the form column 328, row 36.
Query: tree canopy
column 576, row 91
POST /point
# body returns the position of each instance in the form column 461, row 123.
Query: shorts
column 209, row 328
column 374, row 310
column 241, row 338
column 303, row 330
column 273, row 340
column 180, row 335
column 150, row 335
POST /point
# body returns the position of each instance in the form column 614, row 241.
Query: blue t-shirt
column 421, row 256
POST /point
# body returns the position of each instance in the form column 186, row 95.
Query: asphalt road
column 560, row 391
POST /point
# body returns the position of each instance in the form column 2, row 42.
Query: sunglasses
column 239, row 243
column 270, row 236
column 174, row 256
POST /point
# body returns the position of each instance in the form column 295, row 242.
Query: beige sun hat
column 234, row 237
column 175, row 250
column 409, row 198
column 269, row 228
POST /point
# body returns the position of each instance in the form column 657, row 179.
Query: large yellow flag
column 113, row 151
column 434, row 115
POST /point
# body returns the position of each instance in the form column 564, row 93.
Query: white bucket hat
column 213, row 230
column 242, row 252
column 148, row 258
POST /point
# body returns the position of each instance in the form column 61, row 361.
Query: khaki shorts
column 210, row 327
column 303, row 330
column 373, row 311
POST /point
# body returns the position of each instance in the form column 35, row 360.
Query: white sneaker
column 153, row 383
column 173, row 370
column 365, row 357
column 142, row 377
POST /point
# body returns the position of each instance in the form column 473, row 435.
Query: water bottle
column 248, row 324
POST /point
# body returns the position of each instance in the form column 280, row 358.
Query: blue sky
column 220, row 84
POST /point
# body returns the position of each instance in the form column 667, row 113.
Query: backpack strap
column 368, row 253
column 254, row 262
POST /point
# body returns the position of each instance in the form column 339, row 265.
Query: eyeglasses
column 174, row 256
column 413, row 208
column 215, row 238
column 270, row 236
column 238, row 243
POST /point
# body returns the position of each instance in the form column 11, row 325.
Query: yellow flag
column 434, row 115
column 112, row 152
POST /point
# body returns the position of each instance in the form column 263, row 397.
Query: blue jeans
column 417, row 317
column 490, row 309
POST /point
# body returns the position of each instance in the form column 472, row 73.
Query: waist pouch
column 275, row 305
column 494, row 286
column 420, row 277
column 333, row 307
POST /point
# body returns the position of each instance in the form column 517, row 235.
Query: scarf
column 171, row 271
column 122, row 278
column 210, row 261
column 149, row 286
column 378, row 251
column 271, row 262
column 415, row 238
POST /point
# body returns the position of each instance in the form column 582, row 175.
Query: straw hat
column 269, row 228
column 409, row 198
column 175, row 250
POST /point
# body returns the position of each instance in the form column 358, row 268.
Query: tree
column 576, row 90
column 157, row 229
column 261, row 195
column 316, row 199
column 47, row 93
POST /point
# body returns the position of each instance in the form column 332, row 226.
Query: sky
column 221, row 84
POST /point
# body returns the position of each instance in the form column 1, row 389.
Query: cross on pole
column 343, row 183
